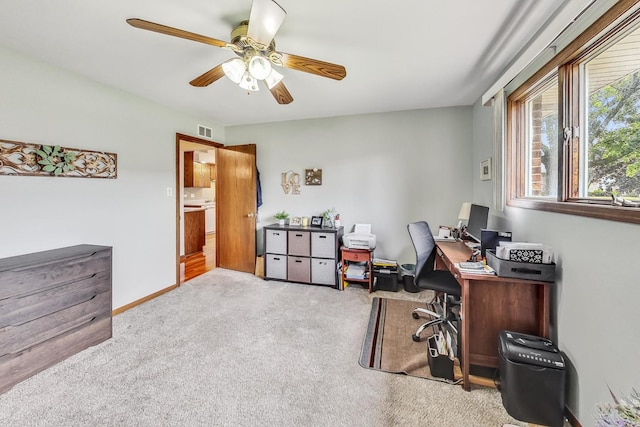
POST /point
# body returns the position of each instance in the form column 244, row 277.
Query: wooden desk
column 491, row 304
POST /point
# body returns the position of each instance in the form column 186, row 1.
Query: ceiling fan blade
column 281, row 94
column 264, row 21
column 308, row 65
column 209, row 77
column 170, row 31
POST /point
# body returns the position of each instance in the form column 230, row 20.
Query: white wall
column 385, row 169
column 595, row 317
column 45, row 105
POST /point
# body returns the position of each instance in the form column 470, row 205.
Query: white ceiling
column 399, row 55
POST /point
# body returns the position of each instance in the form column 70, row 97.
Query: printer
column 361, row 238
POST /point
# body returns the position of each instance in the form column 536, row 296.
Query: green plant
column 55, row 160
column 329, row 214
column 281, row 215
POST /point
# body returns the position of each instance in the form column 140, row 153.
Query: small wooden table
column 357, row 255
column 491, row 304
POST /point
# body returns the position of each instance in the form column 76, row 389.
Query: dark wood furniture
column 53, row 304
column 491, row 304
column 302, row 254
column 357, row 255
column 197, row 174
column 194, row 230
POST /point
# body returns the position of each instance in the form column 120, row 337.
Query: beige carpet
column 388, row 345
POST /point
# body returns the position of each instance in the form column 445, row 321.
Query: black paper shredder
column 532, row 378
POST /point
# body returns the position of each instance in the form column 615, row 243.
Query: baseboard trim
column 142, row 300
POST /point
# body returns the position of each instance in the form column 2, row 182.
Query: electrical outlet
column 169, row 191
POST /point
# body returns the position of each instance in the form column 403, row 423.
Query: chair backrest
column 424, row 245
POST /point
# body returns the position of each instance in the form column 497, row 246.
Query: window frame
column 566, row 64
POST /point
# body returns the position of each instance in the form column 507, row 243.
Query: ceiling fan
column 253, row 41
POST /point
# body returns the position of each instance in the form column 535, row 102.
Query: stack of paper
column 355, row 271
column 379, row 262
column 484, row 270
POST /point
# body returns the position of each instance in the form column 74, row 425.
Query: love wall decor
column 21, row 158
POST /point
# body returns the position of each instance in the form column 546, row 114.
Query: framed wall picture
column 316, row 221
column 313, row 176
column 296, row 220
column 485, row 169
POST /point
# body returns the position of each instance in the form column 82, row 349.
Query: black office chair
column 427, row 277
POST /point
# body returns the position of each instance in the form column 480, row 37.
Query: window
column 573, row 129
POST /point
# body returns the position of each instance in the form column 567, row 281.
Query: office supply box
column 521, row 270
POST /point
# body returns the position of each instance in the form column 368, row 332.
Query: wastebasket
column 532, row 378
column 408, row 272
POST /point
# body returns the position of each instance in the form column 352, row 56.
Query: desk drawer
column 356, row 256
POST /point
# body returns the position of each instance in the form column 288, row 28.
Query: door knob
column 251, row 215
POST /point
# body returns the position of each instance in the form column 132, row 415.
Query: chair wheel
column 415, row 315
column 415, row 338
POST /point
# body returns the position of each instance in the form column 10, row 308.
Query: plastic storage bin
column 385, row 279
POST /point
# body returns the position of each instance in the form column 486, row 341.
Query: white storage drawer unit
column 302, row 254
column 323, row 245
column 275, row 241
column 276, row 266
column 323, row 271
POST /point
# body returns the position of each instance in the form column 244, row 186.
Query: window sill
column 602, row 211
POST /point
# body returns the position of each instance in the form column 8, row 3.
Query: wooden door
column 236, row 209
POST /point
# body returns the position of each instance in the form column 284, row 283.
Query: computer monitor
column 478, row 216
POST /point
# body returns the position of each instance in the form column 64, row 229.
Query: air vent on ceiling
column 205, row 132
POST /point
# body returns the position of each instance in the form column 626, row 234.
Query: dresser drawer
column 323, row 271
column 276, row 266
column 275, row 241
column 21, row 309
column 17, row 367
column 351, row 255
column 323, row 245
column 299, row 243
column 22, row 336
column 44, row 271
column 298, row 269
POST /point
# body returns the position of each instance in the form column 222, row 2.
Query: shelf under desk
column 491, row 304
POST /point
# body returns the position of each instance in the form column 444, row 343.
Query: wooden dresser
column 53, row 304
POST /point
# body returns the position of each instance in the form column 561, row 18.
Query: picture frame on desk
column 316, row 221
column 296, row 220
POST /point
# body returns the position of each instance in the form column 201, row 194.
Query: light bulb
column 259, row 67
column 249, row 83
column 234, row 69
column 273, row 78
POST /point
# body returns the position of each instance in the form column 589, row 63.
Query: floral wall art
column 20, row 158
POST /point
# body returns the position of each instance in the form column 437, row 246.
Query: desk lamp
column 464, row 213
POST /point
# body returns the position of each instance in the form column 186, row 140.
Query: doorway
column 195, row 207
column 233, row 244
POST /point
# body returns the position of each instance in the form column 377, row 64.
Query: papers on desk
column 484, row 270
column 444, row 234
column 355, row 271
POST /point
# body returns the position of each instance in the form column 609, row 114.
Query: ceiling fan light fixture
column 273, row 78
column 248, row 82
column 259, row 67
column 234, row 69
column 264, row 21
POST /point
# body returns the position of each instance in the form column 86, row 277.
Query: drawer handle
column 298, row 235
column 277, row 259
column 276, row 234
column 322, row 237
column 298, row 260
